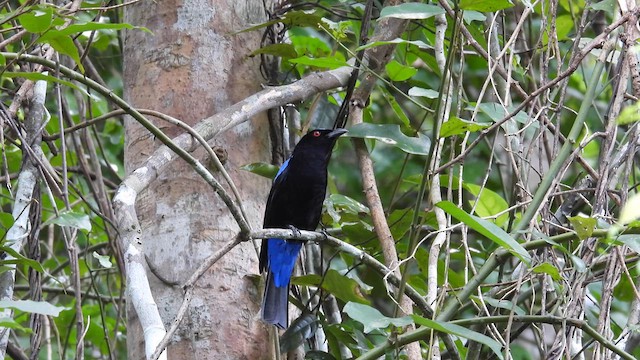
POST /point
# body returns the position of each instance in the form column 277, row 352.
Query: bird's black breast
column 296, row 197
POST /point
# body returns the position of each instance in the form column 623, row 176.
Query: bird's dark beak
column 336, row 133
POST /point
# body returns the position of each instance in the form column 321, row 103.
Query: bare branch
column 27, row 182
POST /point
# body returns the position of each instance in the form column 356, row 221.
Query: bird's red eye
column 316, row 133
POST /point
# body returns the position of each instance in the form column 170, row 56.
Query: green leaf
column 577, row 262
column 460, row 331
column 6, row 220
column 64, row 45
column 342, row 287
column 262, row 169
column 103, row 260
column 472, row 15
column 485, row 5
column 305, row 44
column 629, row 114
column 371, row 318
column 547, row 268
column 6, row 15
column 35, row 76
column 61, row 40
column 301, row 19
column 420, row 92
column 306, row 280
column 359, row 230
column 564, row 25
column 488, row 229
column 320, row 62
column 520, row 352
column 20, row 259
column 30, row 306
column 411, row 11
column 631, row 225
column 331, row 211
column 608, row 6
column 292, row 18
column 73, row 219
column 348, row 204
column 287, row 51
column 78, row 28
column 498, row 112
column 300, row 330
column 487, row 203
column 37, row 20
column 399, row 72
column 456, row 126
column 391, row 135
column 400, row 221
column 318, row 355
column 8, row 322
column 500, row 304
column 339, row 30
column 395, row 106
column 418, row 43
column 583, row 226
column 631, row 240
column 630, row 210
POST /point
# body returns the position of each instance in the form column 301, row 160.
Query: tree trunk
column 191, row 67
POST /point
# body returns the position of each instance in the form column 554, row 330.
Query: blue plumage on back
column 284, row 166
column 295, row 200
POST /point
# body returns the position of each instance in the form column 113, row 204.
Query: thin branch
column 544, row 319
column 549, row 319
column 562, row 155
column 597, row 42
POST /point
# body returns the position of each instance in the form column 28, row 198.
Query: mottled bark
column 191, row 67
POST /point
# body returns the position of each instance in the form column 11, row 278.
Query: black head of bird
column 318, row 143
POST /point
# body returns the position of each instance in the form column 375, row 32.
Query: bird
column 294, row 202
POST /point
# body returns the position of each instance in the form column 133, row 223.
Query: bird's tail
column 275, row 303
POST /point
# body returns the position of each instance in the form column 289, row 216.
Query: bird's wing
column 284, row 165
column 268, row 215
column 276, row 189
